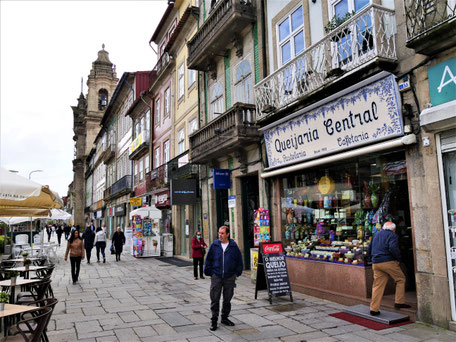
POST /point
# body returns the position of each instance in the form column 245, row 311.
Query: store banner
column 366, row 115
column 442, row 82
column 221, row 178
column 120, row 210
column 183, row 191
column 162, row 200
column 135, row 201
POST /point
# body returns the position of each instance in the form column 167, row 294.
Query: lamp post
column 31, row 218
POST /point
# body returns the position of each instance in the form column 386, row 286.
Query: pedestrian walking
column 100, row 244
column 59, row 232
column 223, row 264
column 198, row 251
column 385, row 255
column 89, row 238
column 118, row 240
column 67, row 230
column 92, row 226
column 48, row 231
column 75, row 247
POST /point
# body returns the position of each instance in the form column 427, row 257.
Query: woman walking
column 118, row 240
column 198, row 245
column 100, row 244
column 75, row 247
column 89, row 237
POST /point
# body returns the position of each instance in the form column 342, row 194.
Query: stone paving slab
column 122, row 301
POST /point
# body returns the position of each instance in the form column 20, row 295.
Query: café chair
column 31, row 328
column 37, row 292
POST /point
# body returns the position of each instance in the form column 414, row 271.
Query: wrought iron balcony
column 180, row 167
column 226, row 20
column 366, row 37
column 122, row 186
column 164, row 61
column 157, row 178
column 230, row 131
column 431, row 25
column 140, row 144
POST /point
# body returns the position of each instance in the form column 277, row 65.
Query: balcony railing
column 123, row 185
column 162, row 63
column 179, row 167
column 109, row 153
column 140, row 144
column 233, row 129
column 431, row 24
column 107, row 193
column 158, row 178
column 365, row 37
column 226, row 19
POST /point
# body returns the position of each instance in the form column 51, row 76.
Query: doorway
column 250, row 202
column 221, row 198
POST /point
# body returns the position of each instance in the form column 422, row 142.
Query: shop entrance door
column 223, row 218
column 250, row 202
column 182, row 231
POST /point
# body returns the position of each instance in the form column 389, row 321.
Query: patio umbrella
column 150, row 212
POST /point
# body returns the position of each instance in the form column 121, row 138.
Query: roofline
column 180, row 25
column 162, row 21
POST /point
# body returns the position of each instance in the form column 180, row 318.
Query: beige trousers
column 381, row 273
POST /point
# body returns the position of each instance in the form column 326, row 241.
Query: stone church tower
column 87, row 115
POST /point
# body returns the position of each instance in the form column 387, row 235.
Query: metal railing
column 424, row 15
column 368, row 35
column 162, row 63
column 122, row 184
column 159, row 176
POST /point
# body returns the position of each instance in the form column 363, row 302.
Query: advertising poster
column 261, row 227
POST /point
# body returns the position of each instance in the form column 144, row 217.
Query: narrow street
column 149, row 300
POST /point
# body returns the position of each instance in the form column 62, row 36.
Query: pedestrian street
column 149, row 300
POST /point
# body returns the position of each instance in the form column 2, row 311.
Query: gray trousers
column 218, row 285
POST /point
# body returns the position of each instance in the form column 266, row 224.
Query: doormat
column 366, row 322
column 176, row 262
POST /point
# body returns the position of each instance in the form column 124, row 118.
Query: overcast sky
column 46, row 47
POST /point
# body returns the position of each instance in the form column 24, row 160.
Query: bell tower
column 87, row 115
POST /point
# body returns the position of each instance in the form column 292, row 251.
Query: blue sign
column 442, row 82
column 221, row 178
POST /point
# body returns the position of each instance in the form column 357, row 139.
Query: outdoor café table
column 13, row 309
column 19, row 282
column 24, row 270
column 20, row 259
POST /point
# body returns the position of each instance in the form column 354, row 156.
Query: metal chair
column 32, row 328
column 37, row 292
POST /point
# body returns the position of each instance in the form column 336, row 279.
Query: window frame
column 214, row 100
column 157, row 112
column 180, row 78
column 181, row 141
column 157, row 157
column 167, row 100
column 191, row 81
column 290, row 36
column 243, row 81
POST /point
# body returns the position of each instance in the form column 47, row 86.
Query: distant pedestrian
column 223, row 265
column 385, row 254
column 75, row 247
column 118, row 240
column 48, row 231
column 89, row 238
column 198, row 251
column 59, row 232
column 100, row 244
column 67, row 230
column 92, row 226
column 53, row 229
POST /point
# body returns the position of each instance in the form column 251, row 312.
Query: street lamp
column 30, row 174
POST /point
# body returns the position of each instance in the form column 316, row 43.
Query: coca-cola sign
column 272, row 248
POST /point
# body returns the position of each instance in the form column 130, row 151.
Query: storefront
column 120, row 212
column 338, row 172
column 162, row 202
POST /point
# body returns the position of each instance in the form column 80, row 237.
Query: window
column 180, row 141
column 157, row 112
column 243, row 91
column 141, row 170
column 180, row 81
column 147, row 126
column 290, row 33
column 135, row 174
column 147, row 163
column 102, row 99
column 167, row 101
column 157, row 157
column 217, row 106
column 192, row 126
column 191, row 77
column 166, row 151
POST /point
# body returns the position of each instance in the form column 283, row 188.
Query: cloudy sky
column 46, row 47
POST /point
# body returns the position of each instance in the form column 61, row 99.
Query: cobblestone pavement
column 149, row 300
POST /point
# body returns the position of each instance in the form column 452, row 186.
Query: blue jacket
column 223, row 265
column 384, row 247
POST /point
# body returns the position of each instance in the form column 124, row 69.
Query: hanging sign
column 232, row 201
column 366, row 115
column 272, row 273
column 442, row 82
column 221, row 178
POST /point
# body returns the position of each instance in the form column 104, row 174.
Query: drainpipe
column 263, row 40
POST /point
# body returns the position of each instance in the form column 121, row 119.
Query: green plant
column 25, row 254
column 27, row 262
column 337, row 21
column 4, row 297
column 13, row 274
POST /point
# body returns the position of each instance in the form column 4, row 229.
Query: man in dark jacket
column 223, row 265
column 89, row 237
column 385, row 254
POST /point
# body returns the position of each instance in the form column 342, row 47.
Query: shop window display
column 331, row 212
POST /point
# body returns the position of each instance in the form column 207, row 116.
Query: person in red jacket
column 198, row 245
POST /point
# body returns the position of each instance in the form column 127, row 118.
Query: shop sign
column 110, row 212
column 183, row 191
column 120, row 210
column 136, row 143
column 442, row 82
column 135, row 201
column 231, row 201
column 366, row 115
column 162, row 200
column 182, row 160
column 221, row 178
column 99, row 214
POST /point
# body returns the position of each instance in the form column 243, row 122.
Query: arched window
column 102, row 99
column 243, row 90
column 217, row 106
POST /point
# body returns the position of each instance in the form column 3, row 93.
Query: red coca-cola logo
column 272, row 248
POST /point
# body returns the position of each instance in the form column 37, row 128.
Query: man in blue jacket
column 385, row 254
column 223, row 264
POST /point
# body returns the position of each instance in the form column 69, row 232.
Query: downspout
column 263, row 40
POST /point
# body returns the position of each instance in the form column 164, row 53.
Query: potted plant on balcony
column 4, row 299
column 335, row 22
column 25, row 255
column 13, row 277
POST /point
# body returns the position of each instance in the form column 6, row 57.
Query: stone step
column 385, row 317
